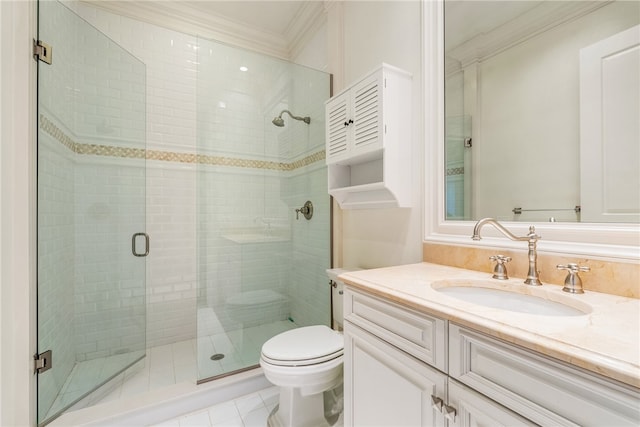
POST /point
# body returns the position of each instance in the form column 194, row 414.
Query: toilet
column 305, row 362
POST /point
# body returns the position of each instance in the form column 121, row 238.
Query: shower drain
column 217, row 356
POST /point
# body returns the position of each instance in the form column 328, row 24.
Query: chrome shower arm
column 307, row 119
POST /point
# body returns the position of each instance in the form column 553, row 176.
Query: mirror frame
column 619, row 242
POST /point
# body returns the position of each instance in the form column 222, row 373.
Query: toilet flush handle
column 335, row 285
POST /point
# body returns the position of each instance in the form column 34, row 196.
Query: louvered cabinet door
column 338, row 113
column 367, row 115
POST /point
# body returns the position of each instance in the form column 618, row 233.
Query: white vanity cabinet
column 395, row 371
column 389, row 357
column 406, row 368
column 368, row 141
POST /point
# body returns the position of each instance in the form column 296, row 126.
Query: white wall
column 372, row 33
column 17, row 227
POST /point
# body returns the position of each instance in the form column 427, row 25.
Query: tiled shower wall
column 236, row 127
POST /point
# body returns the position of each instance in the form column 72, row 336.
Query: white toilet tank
column 337, row 299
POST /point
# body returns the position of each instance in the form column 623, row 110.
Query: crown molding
column 304, row 26
column 185, row 18
column 540, row 19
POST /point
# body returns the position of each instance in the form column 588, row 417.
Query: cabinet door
column 386, row 387
column 539, row 388
column 367, row 114
column 473, row 410
column 337, row 128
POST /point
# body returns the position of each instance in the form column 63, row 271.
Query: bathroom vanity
column 416, row 355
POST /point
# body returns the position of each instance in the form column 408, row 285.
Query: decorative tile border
column 169, row 156
column 455, row 171
column 53, row 130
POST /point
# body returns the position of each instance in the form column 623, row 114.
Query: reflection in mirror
column 542, row 107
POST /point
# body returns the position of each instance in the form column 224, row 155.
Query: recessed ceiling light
column 243, row 68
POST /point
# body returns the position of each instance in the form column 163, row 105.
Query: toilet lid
column 303, row 346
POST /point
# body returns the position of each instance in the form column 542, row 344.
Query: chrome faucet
column 531, row 237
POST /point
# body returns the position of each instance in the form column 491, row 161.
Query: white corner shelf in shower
column 246, row 235
column 254, row 238
column 368, row 128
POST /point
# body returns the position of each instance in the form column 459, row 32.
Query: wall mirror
column 452, row 210
column 541, row 102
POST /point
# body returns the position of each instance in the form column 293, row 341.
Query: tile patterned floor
column 247, row 411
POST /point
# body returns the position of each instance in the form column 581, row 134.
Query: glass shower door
column 91, row 211
column 261, row 267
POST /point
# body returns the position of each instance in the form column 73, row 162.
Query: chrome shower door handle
column 146, row 244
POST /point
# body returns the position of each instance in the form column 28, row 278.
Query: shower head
column 279, row 121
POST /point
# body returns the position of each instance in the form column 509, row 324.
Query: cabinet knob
column 449, row 413
column 347, row 123
column 436, row 403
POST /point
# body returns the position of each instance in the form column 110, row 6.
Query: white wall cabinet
column 394, row 375
column 368, row 141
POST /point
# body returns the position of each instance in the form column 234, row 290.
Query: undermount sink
column 512, row 297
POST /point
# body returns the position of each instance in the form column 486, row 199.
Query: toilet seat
column 309, row 345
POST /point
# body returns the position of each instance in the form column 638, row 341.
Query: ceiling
column 275, row 27
column 264, row 15
column 475, row 30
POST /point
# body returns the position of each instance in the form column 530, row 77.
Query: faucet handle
column 573, row 282
column 500, row 270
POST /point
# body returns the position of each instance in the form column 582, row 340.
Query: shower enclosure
column 243, row 268
column 91, row 205
column 261, row 267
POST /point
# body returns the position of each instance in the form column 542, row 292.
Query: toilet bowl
column 305, row 362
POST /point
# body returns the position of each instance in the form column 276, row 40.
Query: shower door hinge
column 42, row 51
column 43, row 362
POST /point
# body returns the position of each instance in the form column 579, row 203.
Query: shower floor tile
column 240, row 348
column 190, row 360
column 184, row 361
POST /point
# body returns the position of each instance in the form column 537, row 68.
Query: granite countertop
column 605, row 340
